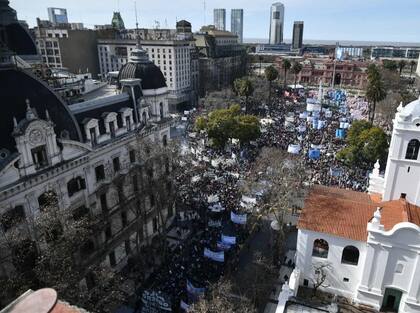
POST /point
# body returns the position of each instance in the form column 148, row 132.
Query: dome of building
column 412, row 109
column 16, row 36
column 16, row 88
column 141, row 67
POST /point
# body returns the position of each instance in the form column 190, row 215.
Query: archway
column 391, row 300
column 337, row 79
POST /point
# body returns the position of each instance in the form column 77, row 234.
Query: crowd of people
column 212, row 220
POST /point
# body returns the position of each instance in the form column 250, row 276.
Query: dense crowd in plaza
column 213, row 219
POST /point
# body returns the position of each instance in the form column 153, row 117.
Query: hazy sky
column 371, row 20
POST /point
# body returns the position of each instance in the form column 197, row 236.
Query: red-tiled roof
column 345, row 213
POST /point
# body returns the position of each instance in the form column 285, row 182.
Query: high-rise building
column 237, row 23
column 276, row 23
column 418, row 67
column 220, row 19
column 297, row 35
column 57, row 16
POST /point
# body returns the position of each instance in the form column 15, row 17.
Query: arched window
column 161, row 110
column 350, row 255
column 165, row 140
column 75, row 185
column 320, row 248
column 412, row 150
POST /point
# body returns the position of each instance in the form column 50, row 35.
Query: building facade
column 219, row 16
column 297, row 40
column 237, row 23
column 395, row 52
column 221, row 59
column 61, row 47
column 276, row 23
column 368, row 245
column 341, row 73
column 57, row 16
column 87, row 158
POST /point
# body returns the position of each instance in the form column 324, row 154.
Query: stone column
column 366, row 280
column 379, row 274
column 414, row 287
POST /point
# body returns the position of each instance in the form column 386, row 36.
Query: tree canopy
column 375, row 91
column 365, row 145
column 244, row 88
column 224, row 124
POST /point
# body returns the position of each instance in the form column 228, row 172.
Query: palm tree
column 296, row 69
column 375, row 90
column 286, row 66
column 412, row 65
column 271, row 75
column 244, row 88
column 401, row 65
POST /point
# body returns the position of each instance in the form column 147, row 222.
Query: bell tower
column 402, row 175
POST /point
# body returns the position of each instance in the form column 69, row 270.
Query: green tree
column 390, row 65
column 401, row 65
column 225, row 124
column 244, row 88
column 296, row 69
column 286, row 67
column 200, row 123
column 271, row 75
column 375, row 90
column 412, row 65
column 365, row 145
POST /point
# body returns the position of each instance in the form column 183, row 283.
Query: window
column 112, row 259
column 412, row 150
column 108, row 233
column 165, row 140
column 12, row 217
column 135, row 183
column 93, row 139
column 346, row 280
column 100, row 173
column 116, row 164
column 152, row 201
column 128, row 122
column 75, row 185
column 127, row 247
column 112, row 129
column 320, row 248
column 155, row 224
column 132, row 156
column 305, row 282
column 124, row 220
column 39, row 156
column 161, row 110
column 350, row 255
column 104, row 204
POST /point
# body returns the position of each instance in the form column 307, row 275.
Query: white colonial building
column 89, row 157
column 368, row 245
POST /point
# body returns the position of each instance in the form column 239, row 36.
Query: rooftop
column 345, row 213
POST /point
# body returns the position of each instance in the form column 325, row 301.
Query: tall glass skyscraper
column 237, row 23
column 297, row 35
column 220, row 19
column 276, row 23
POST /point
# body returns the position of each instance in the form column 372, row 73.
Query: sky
column 358, row 20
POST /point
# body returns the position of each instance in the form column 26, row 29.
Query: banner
column 215, row 256
column 216, row 207
column 194, row 290
column 184, row 306
column 229, row 240
column 314, row 154
column 238, row 218
column 295, row 149
column 214, row 223
column 155, row 302
column 223, row 246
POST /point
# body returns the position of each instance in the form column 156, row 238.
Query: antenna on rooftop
column 204, row 12
column 135, row 10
